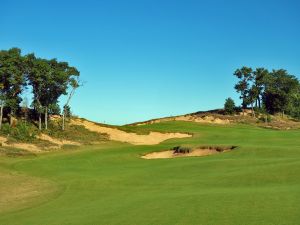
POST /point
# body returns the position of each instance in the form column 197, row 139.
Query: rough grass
column 75, row 133
column 18, row 191
column 257, row 183
column 14, row 152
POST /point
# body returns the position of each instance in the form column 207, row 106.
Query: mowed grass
column 257, row 183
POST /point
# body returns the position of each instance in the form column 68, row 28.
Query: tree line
column 272, row 92
column 47, row 79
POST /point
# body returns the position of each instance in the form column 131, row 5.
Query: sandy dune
column 206, row 119
column 188, row 118
column 118, row 135
column 35, row 149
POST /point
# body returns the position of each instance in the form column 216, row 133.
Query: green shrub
column 6, row 129
column 24, row 132
column 229, row 106
column 21, row 132
column 180, row 149
column 265, row 118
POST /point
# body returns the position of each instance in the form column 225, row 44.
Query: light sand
column 170, row 154
column 206, row 119
column 29, row 147
column 118, row 135
column 58, row 142
column 188, row 118
column 35, row 149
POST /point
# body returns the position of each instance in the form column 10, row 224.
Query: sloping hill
column 218, row 116
column 258, row 183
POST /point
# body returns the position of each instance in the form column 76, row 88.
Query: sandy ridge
column 35, row 149
column 118, row 135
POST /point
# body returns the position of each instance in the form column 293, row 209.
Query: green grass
column 256, row 183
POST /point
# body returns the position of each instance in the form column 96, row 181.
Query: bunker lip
column 198, row 151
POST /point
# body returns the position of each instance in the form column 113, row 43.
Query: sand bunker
column 118, row 135
column 195, row 152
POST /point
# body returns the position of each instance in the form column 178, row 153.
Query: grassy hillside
column 257, row 183
column 25, row 138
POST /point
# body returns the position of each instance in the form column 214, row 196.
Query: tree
column 293, row 108
column 38, row 71
column 74, row 84
column 260, row 75
column 245, row 76
column 25, row 108
column 280, row 87
column 63, row 77
column 251, row 96
column 54, row 109
column 67, row 111
column 12, row 79
column 2, row 100
column 229, row 106
column 49, row 80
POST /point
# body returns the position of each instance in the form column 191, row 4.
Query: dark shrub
column 229, row 106
column 179, row 149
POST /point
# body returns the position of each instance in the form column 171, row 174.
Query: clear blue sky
column 152, row 58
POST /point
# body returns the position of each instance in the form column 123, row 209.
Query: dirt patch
column 118, row 135
column 201, row 151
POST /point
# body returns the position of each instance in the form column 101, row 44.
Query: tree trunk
column 1, row 113
column 67, row 103
column 243, row 107
column 259, row 105
column 11, row 118
column 63, row 121
column 40, row 121
column 25, row 115
column 253, row 113
column 46, row 118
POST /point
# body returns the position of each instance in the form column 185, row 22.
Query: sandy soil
column 35, row 149
column 189, row 118
column 57, row 141
column 25, row 146
column 118, row 135
column 170, row 154
column 206, row 119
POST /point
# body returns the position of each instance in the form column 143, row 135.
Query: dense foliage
column 47, row 79
column 229, row 106
column 273, row 92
